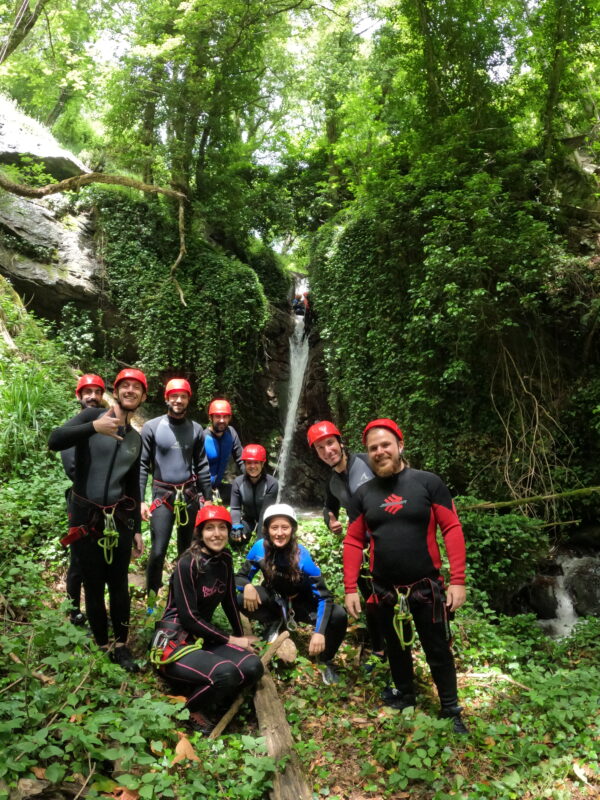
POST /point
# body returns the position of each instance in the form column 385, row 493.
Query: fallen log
column 291, row 784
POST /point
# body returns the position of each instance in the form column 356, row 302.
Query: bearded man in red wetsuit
column 402, row 509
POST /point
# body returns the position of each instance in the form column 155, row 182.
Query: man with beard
column 89, row 391
column 221, row 442
column 104, row 506
column 401, row 508
column 173, row 453
column 348, row 472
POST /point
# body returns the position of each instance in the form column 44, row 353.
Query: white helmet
column 280, row 510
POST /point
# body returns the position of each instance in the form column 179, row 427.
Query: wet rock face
column 48, row 258
column 583, row 584
column 540, row 596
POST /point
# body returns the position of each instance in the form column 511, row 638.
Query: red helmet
column 320, row 430
column 208, row 513
column 382, row 423
column 177, row 385
column 133, row 375
column 254, row 452
column 89, row 380
column 219, row 407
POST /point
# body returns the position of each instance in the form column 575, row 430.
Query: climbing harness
column 403, row 619
column 179, row 506
column 168, row 637
column 108, row 537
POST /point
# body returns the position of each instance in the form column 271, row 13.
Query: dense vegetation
column 432, row 167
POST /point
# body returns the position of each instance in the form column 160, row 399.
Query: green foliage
column 215, row 337
column 503, row 551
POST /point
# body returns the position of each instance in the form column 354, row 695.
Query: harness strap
column 108, row 538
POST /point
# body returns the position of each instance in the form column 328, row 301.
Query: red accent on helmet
column 320, row 430
column 254, row 452
column 133, row 375
column 89, row 380
column 208, row 513
column 382, row 423
column 219, row 407
column 177, row 385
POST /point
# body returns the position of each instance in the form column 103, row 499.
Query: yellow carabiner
column 110, row 539
column 402, row 617
column 180, row 507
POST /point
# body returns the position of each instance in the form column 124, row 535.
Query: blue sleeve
column 250, row 566
column 319, row 590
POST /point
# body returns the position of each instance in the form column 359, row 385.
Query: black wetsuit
column 249, row 501
column 106, row 476
column 402, row 514
column 340, row 490
column 219, row 670
column 309, row 599
column 173, row 453
column 74, row 579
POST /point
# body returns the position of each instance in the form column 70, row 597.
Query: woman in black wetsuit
column 187, row 648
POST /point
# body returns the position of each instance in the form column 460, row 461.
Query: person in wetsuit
column 293, row 589
column 89, row 392
column 402, row 508
column 348, row 472
column 173, row 453
column 209, row 664
column 104, row 506
column 251, row 495
column 221, row 442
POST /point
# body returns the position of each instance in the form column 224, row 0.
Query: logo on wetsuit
column 218, row 588
column 392, row 503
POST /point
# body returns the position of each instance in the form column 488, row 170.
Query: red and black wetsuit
column 173, row 453
column 106, row 475
column 219, row 670
column 402, row 514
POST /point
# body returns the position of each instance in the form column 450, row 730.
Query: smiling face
column 280, row 531
column 177, row 403
column 253, row 469
column 130, row 394
column 90, row 397
column 214, row 535
column 385, row 452
column 330, row 451
column 219, row 423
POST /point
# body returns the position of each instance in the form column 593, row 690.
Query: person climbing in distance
column 251, row 494
column 401, row 508
column 221, row 442
column 89, row 392
column 209, row 664
column 173, row 453
column 348, row 472
column 293, row 589
column 104, row 506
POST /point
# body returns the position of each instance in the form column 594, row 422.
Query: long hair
column 282, row 562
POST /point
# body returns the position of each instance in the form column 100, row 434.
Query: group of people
column 393, row 513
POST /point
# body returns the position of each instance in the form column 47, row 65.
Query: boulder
column 48, row 258
column 583, row 584
column 21, row 136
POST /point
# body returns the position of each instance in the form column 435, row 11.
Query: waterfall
column 298, row 362
column 566, row 616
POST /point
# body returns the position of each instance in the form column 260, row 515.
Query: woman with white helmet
column 293, row 589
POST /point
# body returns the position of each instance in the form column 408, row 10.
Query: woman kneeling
column 216, row 668
column 293, row 589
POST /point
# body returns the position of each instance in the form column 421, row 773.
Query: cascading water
column 298, row 362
